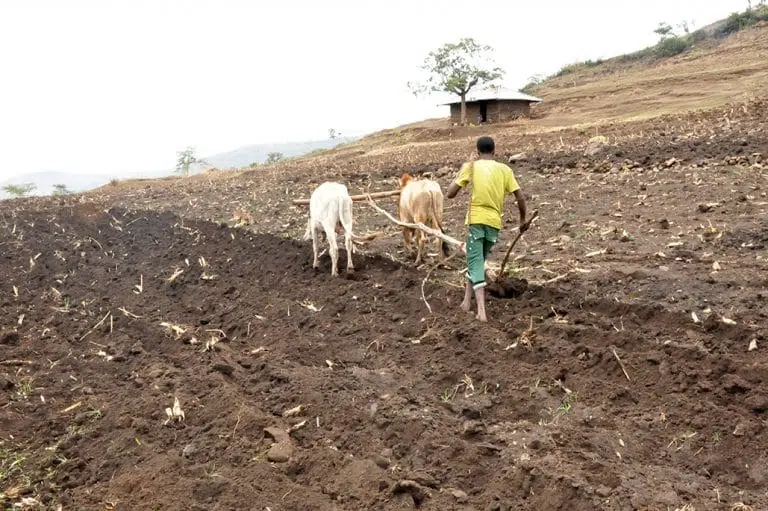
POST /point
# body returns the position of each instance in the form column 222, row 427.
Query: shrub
column 672, row 46
column 741, row 20
column 572, row 68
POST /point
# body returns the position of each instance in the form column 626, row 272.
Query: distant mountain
column 237, row 158
column 44, row 182
column 244, row 156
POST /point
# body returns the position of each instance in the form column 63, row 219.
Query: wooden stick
column 419, row 226
column 359, row 198
column 621, row 364
column 528, row 222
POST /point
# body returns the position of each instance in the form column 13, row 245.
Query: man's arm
column 522, row 208
column 453, row 190
column 462, row 180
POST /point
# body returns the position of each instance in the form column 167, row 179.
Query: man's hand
column 453, row 189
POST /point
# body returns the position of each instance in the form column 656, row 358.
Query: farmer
column 490, row 181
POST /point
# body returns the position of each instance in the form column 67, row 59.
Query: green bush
column 572, row 68
column 741, row 20
column 638, row 55
column 672, row 46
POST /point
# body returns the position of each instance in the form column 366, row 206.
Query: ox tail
column 444, row 245
column 308, row 233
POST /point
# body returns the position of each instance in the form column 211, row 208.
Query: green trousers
column 480, row 240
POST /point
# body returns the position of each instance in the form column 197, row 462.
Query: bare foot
column 466, row 305
column 481, row 318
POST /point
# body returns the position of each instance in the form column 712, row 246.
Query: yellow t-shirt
column 491, row 181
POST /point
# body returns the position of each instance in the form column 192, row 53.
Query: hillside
column 629, row 373
column 711, row 74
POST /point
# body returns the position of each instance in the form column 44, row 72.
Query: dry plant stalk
column 310, row 306
column 293, row 411
column 139, row 288
column 176, row 329
column 526, row 338
column 175, row 275
column 175, row 413
column 97, row 325
column 297, row 427
column 128, row 313
column 621, row 364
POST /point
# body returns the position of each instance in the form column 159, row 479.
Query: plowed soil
column 631, row 374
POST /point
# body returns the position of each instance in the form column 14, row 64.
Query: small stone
column 6, row 383
column 704, row 208
column 137, row 348
column 734, row 384
column 472, row 427
column 424, row 479
column 757, row 402
column 664, row 223
column 595, row 145
column 10, row 338
column 225, row 369
column 280, row 452
column 603, row 491
column 381, row 461
column 460, row 496
column 279, row 435
column 188, row 450
column 415, row 489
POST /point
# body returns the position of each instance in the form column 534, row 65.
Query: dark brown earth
column 404, row 408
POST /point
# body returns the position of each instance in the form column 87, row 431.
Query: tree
column 254, row 164
column 19, row 190
column 664, row 30
column 274, row 157
column 457, row 68
column 61, row 189
column 332, row 134
column 185, row 159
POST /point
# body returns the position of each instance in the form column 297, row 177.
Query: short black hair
column 485, row 145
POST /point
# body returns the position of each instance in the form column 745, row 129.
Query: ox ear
column 404, row 179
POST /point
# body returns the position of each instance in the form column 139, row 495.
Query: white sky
column 109, row 86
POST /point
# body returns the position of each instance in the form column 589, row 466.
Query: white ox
column 330, row 207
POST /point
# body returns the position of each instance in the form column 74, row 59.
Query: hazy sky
column 119, row 86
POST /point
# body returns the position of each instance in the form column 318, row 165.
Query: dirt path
column 403, row 409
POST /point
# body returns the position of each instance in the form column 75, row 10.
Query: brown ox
column 421, row 201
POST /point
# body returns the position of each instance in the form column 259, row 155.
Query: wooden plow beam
column 359, row 198
column 419, row 226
